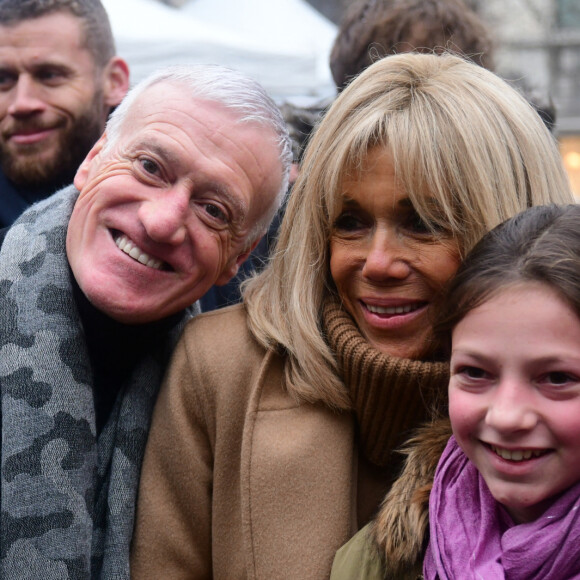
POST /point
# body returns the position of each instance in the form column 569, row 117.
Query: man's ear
column 115, row 81
column 232, row 269
column 82, row 173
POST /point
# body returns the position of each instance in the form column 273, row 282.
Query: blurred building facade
column 540, row 40
column 332, row 9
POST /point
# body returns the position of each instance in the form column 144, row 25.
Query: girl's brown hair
column 540, row 245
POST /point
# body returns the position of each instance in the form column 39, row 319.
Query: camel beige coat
column 239, row 481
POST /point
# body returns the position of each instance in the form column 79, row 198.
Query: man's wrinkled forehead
column 159, row 113
column 162, row 99
column 171, row 120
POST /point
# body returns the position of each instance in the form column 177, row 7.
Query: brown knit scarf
column 389, row 395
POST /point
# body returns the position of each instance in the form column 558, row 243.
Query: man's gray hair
column 230, row 88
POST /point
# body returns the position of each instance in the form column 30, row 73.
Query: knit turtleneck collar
column 389, row 395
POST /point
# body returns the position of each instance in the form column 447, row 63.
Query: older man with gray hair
column 96, row 283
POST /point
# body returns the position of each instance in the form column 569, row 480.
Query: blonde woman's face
column 386, row 264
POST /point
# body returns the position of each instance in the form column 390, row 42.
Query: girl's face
column 387, row 266
column 514, row 396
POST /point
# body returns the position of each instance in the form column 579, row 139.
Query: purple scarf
column 473, row 537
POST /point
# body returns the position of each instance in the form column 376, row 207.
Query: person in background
column 504, row 500
column 373, row 29
column 59, row 80
column 369, row 31
column 96, row 283
column 272, row 439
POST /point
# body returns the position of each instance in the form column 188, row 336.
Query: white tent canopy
column 283, row 44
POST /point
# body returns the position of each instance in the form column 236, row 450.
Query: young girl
column 505, row 497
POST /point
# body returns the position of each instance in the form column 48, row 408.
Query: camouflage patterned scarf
column 67, row 496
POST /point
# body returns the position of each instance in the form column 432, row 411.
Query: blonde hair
column 456, row 131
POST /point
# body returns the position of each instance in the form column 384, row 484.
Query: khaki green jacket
column 359, row 559
column 392, row 546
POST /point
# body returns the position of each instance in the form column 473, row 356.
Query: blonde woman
column 273, row 435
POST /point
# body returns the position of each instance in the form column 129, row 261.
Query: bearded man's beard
column 28, row 171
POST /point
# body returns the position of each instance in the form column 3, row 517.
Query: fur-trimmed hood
column 401, row 528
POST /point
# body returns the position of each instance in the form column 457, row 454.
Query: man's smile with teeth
column 126, row 245
column 517, row 454
column 392, row 309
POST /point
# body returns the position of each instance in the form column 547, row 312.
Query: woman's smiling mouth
column 392, row 310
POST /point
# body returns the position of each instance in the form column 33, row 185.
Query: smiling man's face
column 168, row 209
